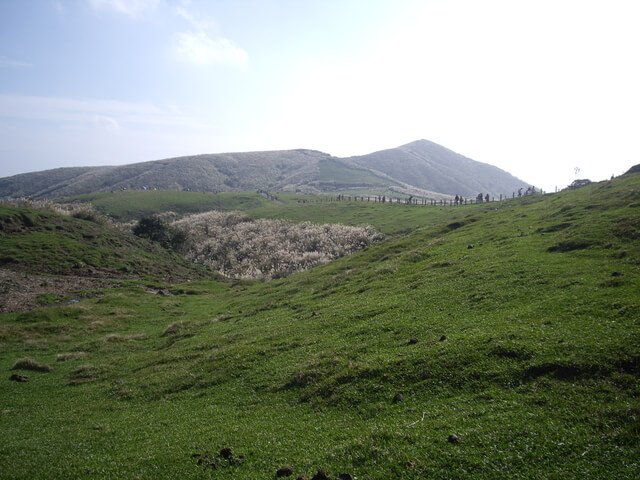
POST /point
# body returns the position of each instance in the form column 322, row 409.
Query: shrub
column 157, row 230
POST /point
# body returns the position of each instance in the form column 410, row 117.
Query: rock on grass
column 321, row 475
column 453, row 438
column 226, row 453
column 284, row 472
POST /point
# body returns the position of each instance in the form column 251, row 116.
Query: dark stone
column 397, row 398
column 413, row 341
column 321, row 475
column 226, row 453
column 19, row 378
column 284, row 472
column 453, row 438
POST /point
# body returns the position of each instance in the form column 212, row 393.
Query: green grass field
column 388, row 219
column 133, row 204
column 514, row 326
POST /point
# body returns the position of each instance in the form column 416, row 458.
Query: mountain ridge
column 421, row 168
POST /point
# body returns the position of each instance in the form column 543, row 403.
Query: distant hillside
column 421, row 168
column 430, row 166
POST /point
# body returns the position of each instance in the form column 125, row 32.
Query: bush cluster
column 157, row 230
column 238, row 247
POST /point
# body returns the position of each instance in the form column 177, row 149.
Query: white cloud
column 199, row 23
column 108, row 114
column 58, row 132
column 103, row 122
column 6, row 62
column 132, row 8
column 198, row 48
column 203, row 46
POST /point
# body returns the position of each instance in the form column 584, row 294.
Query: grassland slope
column 45, row 257
column 500, row 341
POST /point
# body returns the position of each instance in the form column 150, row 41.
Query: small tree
column 156, row 230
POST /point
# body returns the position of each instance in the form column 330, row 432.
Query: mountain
column 430, row 166
column 421, row 168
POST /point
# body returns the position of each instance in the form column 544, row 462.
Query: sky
column 548, row 90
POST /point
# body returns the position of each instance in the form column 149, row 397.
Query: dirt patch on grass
column 20, row 292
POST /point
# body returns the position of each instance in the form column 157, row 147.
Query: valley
column 497, row 340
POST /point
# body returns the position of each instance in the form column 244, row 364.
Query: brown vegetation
column 27, row 363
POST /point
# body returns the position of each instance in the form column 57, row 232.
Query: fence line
column 457, row 200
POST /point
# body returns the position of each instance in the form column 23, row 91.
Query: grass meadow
column 482, row 342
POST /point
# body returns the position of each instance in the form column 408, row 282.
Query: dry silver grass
column 172, row 329
column 27, row 363
column 63, row 357
column 238, row 247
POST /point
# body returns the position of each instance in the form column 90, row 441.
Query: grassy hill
column 47, row 258
column 421, row 169
column 432, row 167
column 40, row 241
column 489, row 341
column 129, row 205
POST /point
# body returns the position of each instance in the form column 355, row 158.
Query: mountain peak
column 430, row 166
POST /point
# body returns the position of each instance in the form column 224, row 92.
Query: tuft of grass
column 174, row 328
column 46, row 299
column 64, row 357
column 27, row 363
column 116, row 337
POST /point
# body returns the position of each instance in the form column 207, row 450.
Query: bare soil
column 19, row 291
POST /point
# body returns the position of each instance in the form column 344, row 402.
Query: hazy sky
column 536, row 87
